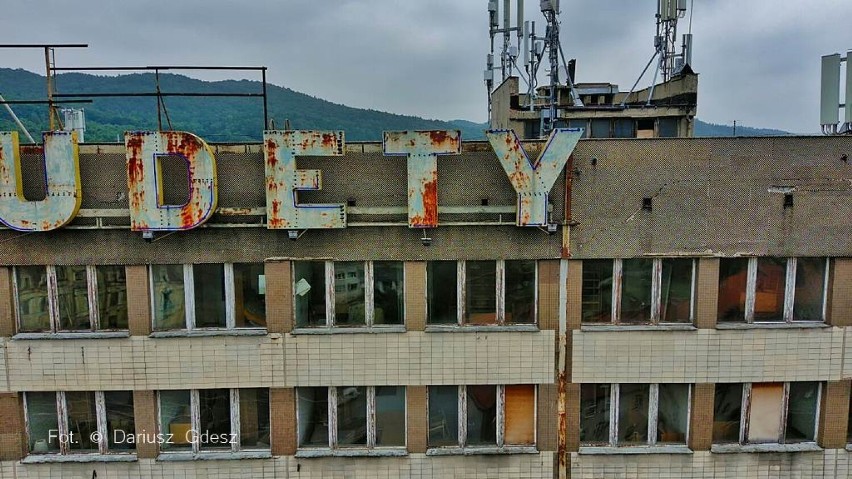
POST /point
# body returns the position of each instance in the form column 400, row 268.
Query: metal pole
column 17, row 121
column 265, row 107
column 49, row 87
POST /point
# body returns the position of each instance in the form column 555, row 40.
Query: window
column 482, row 417
column 208, row 296
column 364, row 293
column 92, row 422
column 638, row 291
column 618, row 415
column 70, row 298
column 214, row 420
column 761, row 290
column 354, row 418
column 482, row 292
column 760, row 413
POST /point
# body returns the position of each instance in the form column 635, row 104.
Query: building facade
column 683, row 312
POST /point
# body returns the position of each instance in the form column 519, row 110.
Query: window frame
column 500, row 298
column 369, row 299
column 370, row 449
column 653, row 419
column 500, row 448
column 92, row 297
column 195, row 425
column 189, row 302
column 789, row 294
column 63, row 429
column 745, row 416
column 656, row 295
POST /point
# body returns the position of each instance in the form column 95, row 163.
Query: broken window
column 634, row 414
column 760, row 413
column 70, row 298
column 361, row 417
column 755, row 290
column 638, row 291
column 214, row 420
column 363, row 293
column 91, row 422
column 482, row 417
column 493, row 292
column 208, row 296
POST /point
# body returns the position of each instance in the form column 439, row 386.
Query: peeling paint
column 62, row 172
column 422, row 149
column 145, row 183
column 284, row 180
column 533, row 181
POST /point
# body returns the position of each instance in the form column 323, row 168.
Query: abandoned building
column 682, row 310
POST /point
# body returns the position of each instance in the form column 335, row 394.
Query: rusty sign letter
column 533, row 181
column 422, row 149
column 62, row 170
column 283, row 180
column 145, row 182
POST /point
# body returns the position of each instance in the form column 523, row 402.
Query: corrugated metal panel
column 62, row 196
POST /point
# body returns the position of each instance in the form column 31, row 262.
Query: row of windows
column 657, row 414
column 473, row 417
column 370, row 294
column 238, row 420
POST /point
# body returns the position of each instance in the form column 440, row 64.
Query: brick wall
column 279, row 296
column 138, row 300
column 707, row 293
column 415, row 295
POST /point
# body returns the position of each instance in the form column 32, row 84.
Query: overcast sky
column 758, row 60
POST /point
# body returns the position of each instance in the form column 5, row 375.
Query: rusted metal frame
column 653, row 413
column 332, row 417
column 500, row 283
column 235, row 419
column 614, row 402
column 92, row 296
column 100, row 414
column 656, row 289
column 789, row 289
column 751, row 288
column 562, row 373
column 461, row 290
column 195, row 418
column 188, row 296
column 617, row 279
column 369, row 294
column 329, row 294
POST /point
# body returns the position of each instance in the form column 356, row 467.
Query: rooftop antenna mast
column 509, row 52
column 669, row 61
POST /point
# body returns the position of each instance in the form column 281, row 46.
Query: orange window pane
column 520, row 415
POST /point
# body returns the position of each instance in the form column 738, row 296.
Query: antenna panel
column 830, row 90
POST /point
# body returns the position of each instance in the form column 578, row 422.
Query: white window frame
column 369, row 299
column 745, row 416
column 500, row 295
column 195, row 422
column 63, row 429
column 189, row 300
column 656, row 293
column 501, row 446
column 653, row 415
column 789, row 293
column 53, row 302
column 370, row 448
